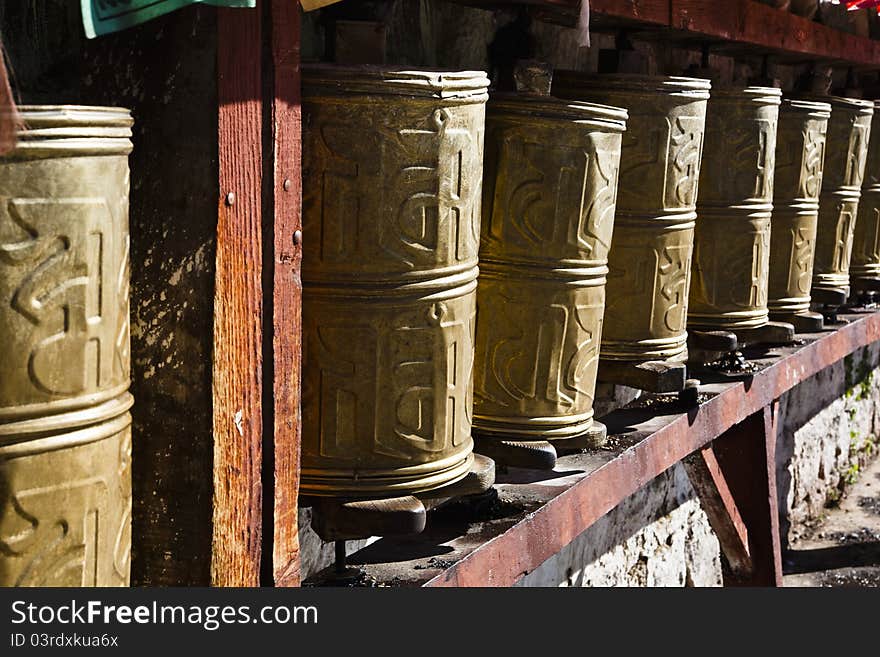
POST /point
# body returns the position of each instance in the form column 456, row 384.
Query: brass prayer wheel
column 732, row 242
column 865, row 266
column 549, row 193
column 650, row 261
column 849, row 130
column 800, row 155
column 65, row 438
column 391, row 211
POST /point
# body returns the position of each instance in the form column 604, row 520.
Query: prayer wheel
column 549, row 193
column 865, row 266
column 391, row 212
column 650, row 261
column 65, row 438
column 800, row 155
column 732, row 243
column 849, row 130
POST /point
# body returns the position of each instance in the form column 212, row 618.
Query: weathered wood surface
column 287, row 288
column 237, row 361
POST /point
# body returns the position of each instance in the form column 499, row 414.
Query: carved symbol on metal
column 814, row 156
column 685, row 144
column 122, row 541
column 65, row 290
column 345, row 387
column 801, row 258
column 766, row 138
column 338, row 223
column 600, row 190
column 747, row 156
column 673, row 280
column 440, row 196
column 843, row 238
column 429, row 368
column 580, row 373
column 872, row 246
column 641, row 153
column 58, row 543
column 537, row 192
column 628, row 281
column 855, row 155
column 527, row 366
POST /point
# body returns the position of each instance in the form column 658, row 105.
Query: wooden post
column 747, row 457
column 287, row 287
column 237, row 362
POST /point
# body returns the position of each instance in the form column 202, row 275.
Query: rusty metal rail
column 546, row 511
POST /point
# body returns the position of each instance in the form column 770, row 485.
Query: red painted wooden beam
column 237, row 362
column 506, row 557
column 720, row 506
column 287, row 287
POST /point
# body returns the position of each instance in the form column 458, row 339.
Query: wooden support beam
column 747, row 457
column 718, row 503
column 237, row 361
column 287, row 287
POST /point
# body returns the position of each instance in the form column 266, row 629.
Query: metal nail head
column 297, row 237
column 230, row 198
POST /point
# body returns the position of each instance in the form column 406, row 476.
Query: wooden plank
column 747, row 456
column 287, row 287
column 766, row 29
column 644, row 11
column 237, row 361
column 717, row 501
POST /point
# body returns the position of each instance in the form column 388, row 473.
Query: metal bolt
column 230, row 198
column 287, row 184
column 297, row 237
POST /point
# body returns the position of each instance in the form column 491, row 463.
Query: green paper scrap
column 106, row 16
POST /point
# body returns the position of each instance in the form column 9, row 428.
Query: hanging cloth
column 105, row 16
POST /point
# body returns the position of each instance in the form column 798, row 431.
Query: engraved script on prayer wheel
column 732, row 243
column 650, row 260
column 391, row 211
column 800, row 155
column 849, row 130
column 65, row 438
column 548, row 201
column 865, row 266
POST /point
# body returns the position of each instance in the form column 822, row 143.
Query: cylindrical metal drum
column 549, row 193
column 865, row 265
column 732, row 243
column 65, row 439
column 849, row 130
column 650, row 262
column 800, row 155
column 391, row 212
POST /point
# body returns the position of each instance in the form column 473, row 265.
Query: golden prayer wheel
column 65, row 438
column 549, row 192
column 391, row 211
column 849, row 130
column 865, row 266
column 732, row 242
column 800, row 155
column 650, row 261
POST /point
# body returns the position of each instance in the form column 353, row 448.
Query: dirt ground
column 843, row 547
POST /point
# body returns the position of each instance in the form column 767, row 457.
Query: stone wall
column 828, row 429
column 657, row 537
column 660, row 536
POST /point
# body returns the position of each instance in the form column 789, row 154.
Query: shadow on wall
column 165, row 72
column 825, row 426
